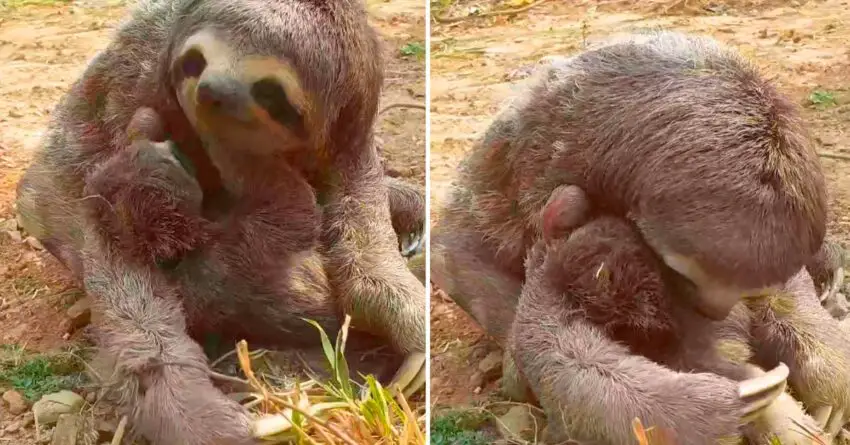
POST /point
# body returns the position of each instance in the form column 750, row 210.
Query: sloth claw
column 830, row 419
column 410, row 376
column 759, row 392
column 411, row 244
column 835, row 285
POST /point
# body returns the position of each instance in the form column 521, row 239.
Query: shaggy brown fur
column 148, row 190
column 243, row 97
column 674, row 132
column 601, row 341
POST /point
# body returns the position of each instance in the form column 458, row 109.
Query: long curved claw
column 821, row 415
column 407, row 379
column 759, row 392
column 834, row 285
column 829, row 418
column 416, row 384
column 834, row 422
column 412, row 243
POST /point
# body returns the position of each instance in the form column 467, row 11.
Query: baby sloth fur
column 603, row 336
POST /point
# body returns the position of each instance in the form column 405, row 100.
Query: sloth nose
column 221, row 94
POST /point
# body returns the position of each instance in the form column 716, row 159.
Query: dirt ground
column 43, row 48
column 802, row 44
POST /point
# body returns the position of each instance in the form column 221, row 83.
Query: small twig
column 228, row 378
column 119, row 431
column 827, row 154
column 89, row 367
column 808, row 432
column 224, row 357
column 254, row 355
column 509, row 403
column 665, row 10
column 446, row 20
column 389, row 107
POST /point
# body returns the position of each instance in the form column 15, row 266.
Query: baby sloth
column 602, row 337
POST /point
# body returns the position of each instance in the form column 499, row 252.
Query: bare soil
column 44, row 47
column 802, row 44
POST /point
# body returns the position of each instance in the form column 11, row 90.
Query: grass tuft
column 335, row 411
column 822, row 99
column 413, row 49
column 34, row 375
column 458, row 428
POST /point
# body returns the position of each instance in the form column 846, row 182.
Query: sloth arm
column 792, row 327
column 596, row 387
column 163, row 372
column 367, row 271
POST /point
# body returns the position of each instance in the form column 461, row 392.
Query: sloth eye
column 193, row 63
column 269, row 94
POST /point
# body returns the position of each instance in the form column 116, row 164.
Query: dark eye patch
column 193, row 63
column 270, row 95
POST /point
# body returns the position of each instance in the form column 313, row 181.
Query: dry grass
column 336, row 411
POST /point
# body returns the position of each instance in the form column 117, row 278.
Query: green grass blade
column 326, row 343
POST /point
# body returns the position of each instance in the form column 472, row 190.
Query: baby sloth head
column 271, row 76
column 606, row 269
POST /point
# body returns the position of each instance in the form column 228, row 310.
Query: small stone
column 437, row 310
column 67, row 429
column 34, row 243
column 442, row 295
column 15, row 235
column 48, row 409
column 45, row 435
column 8, row 225
column 476, row 379
column 16, row 402
column 15, row 113
column 12, row 427
column 491, row 366
column 516, row 422
column 79, row 314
